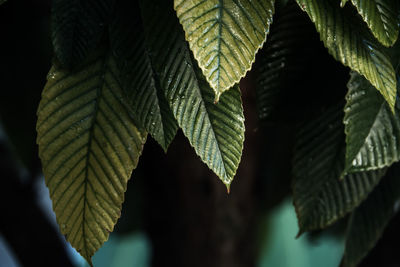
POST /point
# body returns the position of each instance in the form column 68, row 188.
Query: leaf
column 88, row 146
column 368, row 221
column 77, row 28
column 320, row 197
column 351, row 43
column 2, row 1
column 139, row 80
column 225, row 36
column 372, row 130
column 216, row 131
column 381, row 17
column 343, row 3
column 284, row 62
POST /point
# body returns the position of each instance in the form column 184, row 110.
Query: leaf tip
column 300, row 233
column 164, row 148
column 228, row 188
column 343, row 174
column 86, row 256
column 217, row 96
column 392, row 108
column 343, row 3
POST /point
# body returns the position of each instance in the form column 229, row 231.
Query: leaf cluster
column 124, row 69
column 345, row 157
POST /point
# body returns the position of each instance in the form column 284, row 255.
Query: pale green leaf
column 216, row 131
column 349, row 41
column 77, row 28
column 369, row 220
column 381, row 17
column 372, row 130
column 88, row 146
column 139, row 80
column 225, row 36
column 320, row 197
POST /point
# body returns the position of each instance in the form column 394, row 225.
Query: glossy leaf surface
column 89, row 146
column 381, row 17
column 349, row 41
column 216, row 131
column 225, row 36
column 372, row 130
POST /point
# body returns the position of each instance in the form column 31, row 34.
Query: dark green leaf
column 350, row 42
column 320, row 197
column 216, row 131
column 77, row 28
column 282, row 66
column 369, row 220
column 139, row 80
column 89, row 146
column 372, row 130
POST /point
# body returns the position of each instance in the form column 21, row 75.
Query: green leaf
column 225, row 36
column 89, row 146
column 343, row 3
column 372, row 130
column 77, row 28
column 381, row 17
column 216, row 131
column 2, row 1
column 350, row 42
column 368, row 221
column 320, row 197
column 283, row 64
column 139, row 80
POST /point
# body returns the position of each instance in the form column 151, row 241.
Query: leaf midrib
column 220, row 22
column 99, row 91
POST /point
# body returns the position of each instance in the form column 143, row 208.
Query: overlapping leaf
column 77, row 27
column 139, row 80
column 381, row 17
column 282, row 64
column 225, row 36
column 319, row 196
column 88, row 146
column 352, row 44
column 368, row 221
column 216, row 131
column 372, row 130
